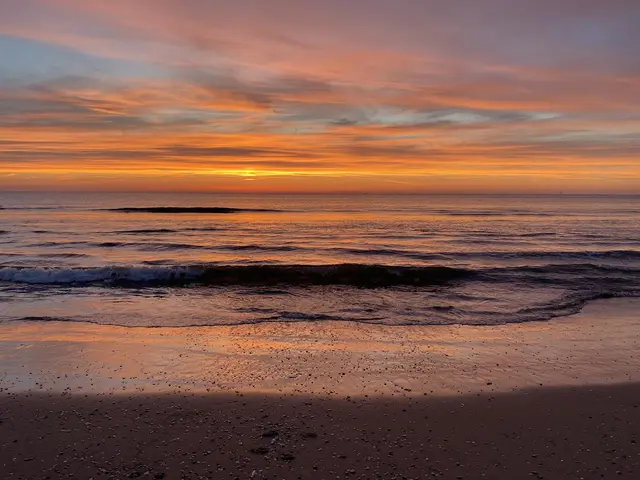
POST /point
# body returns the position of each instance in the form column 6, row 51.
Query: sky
column 398, row 96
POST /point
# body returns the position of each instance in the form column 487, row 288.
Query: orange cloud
column 226, row 94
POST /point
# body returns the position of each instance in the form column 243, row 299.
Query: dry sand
column 336, row 400
column 583, row 432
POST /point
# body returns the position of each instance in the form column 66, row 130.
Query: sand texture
column 569, row 433
column 557, row 399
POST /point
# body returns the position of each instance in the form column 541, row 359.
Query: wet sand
column 597, row 346
column 552, row 399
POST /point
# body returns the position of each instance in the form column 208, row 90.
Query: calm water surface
column 379, row 259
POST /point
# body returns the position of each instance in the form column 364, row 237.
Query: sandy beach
column 581, row 432
column 321, row 240
column 554, row 399
column 597, row 346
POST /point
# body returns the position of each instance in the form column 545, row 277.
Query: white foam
column 39, row 276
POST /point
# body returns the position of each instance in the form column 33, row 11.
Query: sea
column 179, row 260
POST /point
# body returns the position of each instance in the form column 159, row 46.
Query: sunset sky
column 539, row 96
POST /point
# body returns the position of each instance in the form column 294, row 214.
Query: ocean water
column 189, row 259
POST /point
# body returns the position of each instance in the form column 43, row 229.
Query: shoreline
column 544, row 400
column 587, row 305
column 595, row 346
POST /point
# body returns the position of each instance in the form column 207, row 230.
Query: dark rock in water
column 188, row 210
column 259, row 450
column 270, row 434
column 310, row 435
column 287, row 457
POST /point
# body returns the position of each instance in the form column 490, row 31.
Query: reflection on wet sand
column 596, row 346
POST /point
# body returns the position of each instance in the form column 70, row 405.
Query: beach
column 556, row 399
column 580, row 432
column 292, row 240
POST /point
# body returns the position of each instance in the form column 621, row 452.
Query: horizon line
column 337, row 193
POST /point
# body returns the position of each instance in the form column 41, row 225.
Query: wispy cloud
column 433, row 90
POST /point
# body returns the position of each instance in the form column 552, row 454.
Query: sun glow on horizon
column 204, row 95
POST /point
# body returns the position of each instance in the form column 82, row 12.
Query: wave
column 188, row 210
column 304, row 293
column 587, row 275
column 264, row 248
column 569, row 304
column 155, row 246
column 552, row 255
column 383, row 252
column 305, row 317
column 357, row 275
column 360, row 275
column 62, row 255
column 513, row 255
column 148, row 230
column 167, row 230
column 149, row 246
column 492, row 213
column 60, row 244
column 560, row 255
column 564, row 268
column 535, row 234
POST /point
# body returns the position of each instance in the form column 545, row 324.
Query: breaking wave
column 263, row 275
